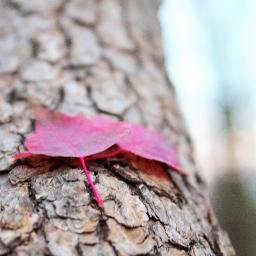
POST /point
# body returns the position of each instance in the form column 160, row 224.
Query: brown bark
column 94, row 57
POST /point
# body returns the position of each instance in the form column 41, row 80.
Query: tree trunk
column 94, row 57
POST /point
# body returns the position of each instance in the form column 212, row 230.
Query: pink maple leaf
column 149, row 144
column 60, row 135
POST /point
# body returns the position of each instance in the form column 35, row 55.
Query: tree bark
column 94, row 57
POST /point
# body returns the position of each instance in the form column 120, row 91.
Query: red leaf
column 149, row 144
column 78, row 136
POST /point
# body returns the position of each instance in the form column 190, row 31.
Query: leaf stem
column 95, row 192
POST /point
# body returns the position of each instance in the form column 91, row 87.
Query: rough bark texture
column 94, row 57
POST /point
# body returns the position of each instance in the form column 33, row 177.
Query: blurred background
column 211, row 59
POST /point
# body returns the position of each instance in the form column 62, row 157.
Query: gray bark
column 94, row 57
